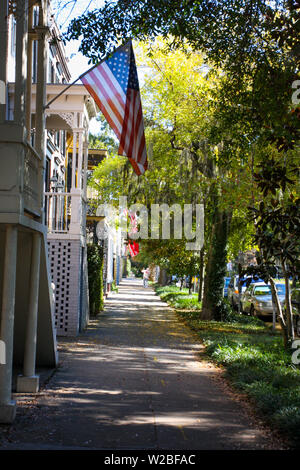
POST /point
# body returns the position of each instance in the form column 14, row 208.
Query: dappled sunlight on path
column 134, row 380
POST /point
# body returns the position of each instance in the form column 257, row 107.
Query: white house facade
column 44, row 158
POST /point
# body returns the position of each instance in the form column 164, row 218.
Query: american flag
column 114, row 85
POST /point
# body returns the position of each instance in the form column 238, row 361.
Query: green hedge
column 95, row 276
column 180, row 299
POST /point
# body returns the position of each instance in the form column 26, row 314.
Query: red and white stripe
column 108, row 94
column 132, row 142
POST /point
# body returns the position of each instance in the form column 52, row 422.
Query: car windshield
column 265, row 290
column 262, row 290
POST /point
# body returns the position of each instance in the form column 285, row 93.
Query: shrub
column 187, row 302
column 114, row 288
column 242, row 319
column 95, row 277
column 288, row 419
column 180, row 299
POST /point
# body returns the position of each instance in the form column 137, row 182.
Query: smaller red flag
column 133, row 248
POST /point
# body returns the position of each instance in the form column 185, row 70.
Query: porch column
column 40, row 140
column 29, row 74
column 76, row 204
column 3, row 59
column 29, row 382
column 42, row 33
column 7, row 406
column 74, row 160
column 75, row 193
column 80, row 159
column 85, row 167
column 76, row 211
column 21, row 61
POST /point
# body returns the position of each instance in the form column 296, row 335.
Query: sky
column 65, row 11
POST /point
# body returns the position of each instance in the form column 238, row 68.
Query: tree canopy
column 218, row 107
column 229, row 32
column 254, row 42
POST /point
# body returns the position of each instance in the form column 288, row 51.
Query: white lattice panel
column 60, row 256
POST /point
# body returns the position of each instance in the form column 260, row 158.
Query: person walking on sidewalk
column 146, row 273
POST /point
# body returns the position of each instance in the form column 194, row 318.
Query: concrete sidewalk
column 133, row 380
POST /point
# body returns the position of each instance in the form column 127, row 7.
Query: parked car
column 226, row 283
column 233, row 290
column 257, row 298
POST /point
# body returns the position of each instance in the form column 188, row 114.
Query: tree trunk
column 279, row 313
column 239, row 287
column 163, row 278
column 190, row 284
column 288, row 306
column 215, row 268
column 201, row 274
column 152, row 268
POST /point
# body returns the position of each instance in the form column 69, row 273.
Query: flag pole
column 80, row 76
column 61, row 93
column 70, row 84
